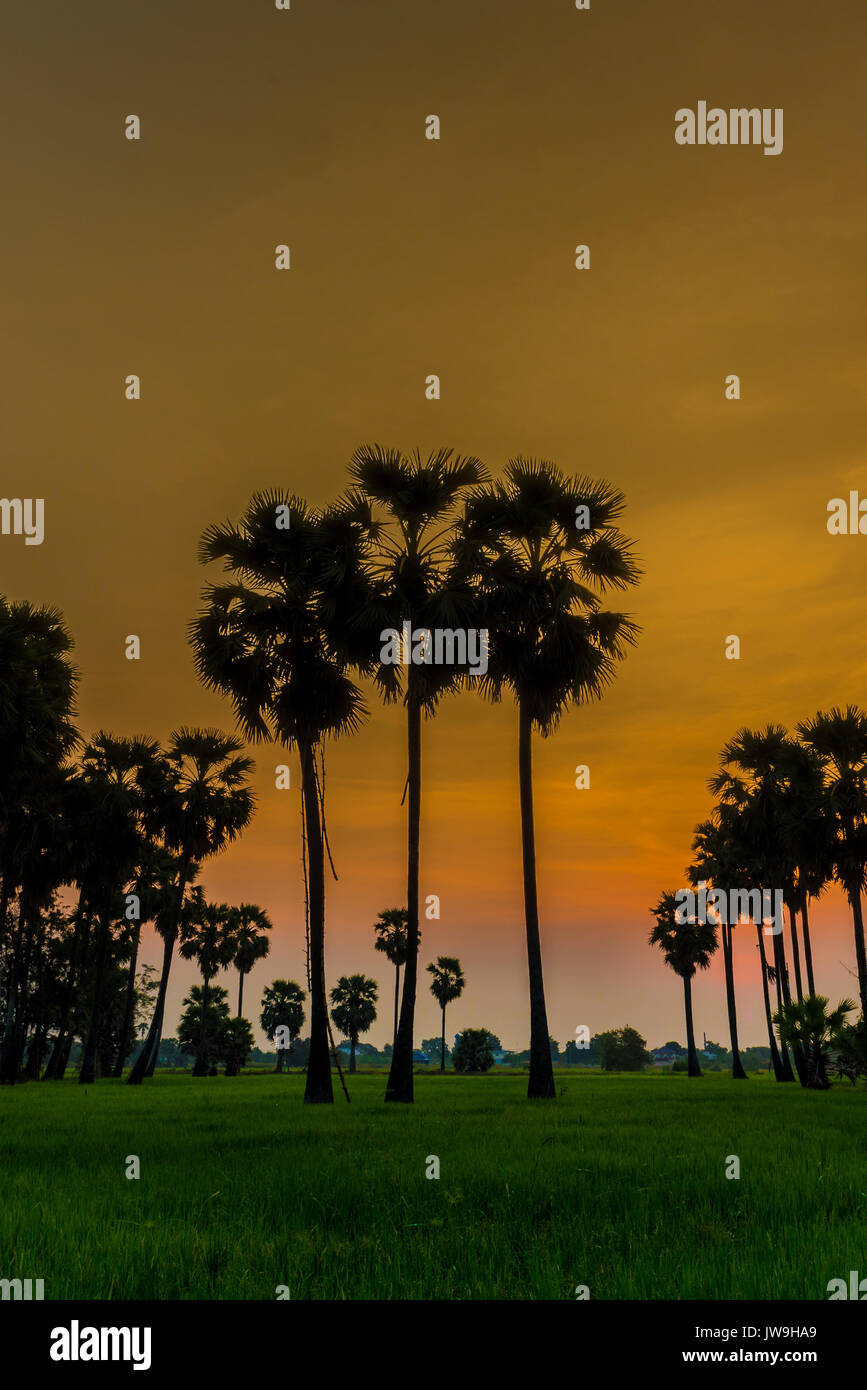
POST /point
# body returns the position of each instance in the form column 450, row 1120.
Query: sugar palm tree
column 282, row 1007
column 839, row 737
column 541, row 550
column 269, row 641
column 719, row 860
column 353, row 1008
column 206, row 937
column 447, row 984
column 807, row 1025
column 414, row 582
column 248, row 926
column 201, row 802
column 687, row 947
column 390, row 928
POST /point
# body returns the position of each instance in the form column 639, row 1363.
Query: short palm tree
column 413, row 581
column 390, row 928
column 687, row 947
column 248, row 926
column 282, row 1007
column 269, row 640
column 202, row 801
column 807, row 1025
column 541, row 549
column 353, row 1008
column 206, row 937
column 447, row 984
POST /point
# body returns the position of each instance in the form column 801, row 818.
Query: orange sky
column 456, row 257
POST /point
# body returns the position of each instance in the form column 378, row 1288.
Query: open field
column 619, row 1184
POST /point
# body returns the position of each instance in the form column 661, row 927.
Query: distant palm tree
column 206, row 937
column 203, row 802
column 353, row 1008
column 390, row 928
column 541, row 549
column 282, row 1007
column 269, row 641
column 839, row 737
column 718, row 860
column 414, row 582
column 248, row 926
column 809, row 1026
column 447, row 984
column 687, row 947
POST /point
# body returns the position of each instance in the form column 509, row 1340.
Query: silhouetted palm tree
column 718, row 861
column 269, row 642
column 541, row 549
column 248, row 926
column 390, row 928
column 414, row 582
column 282, row 1007
column 206, row 937
column 687, row 946
column 353, row 1008
column 809, row 1026
column 447, row 984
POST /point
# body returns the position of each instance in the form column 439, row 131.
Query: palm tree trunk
column 808, row 950
column 353, row 1039
column 396, row 1005
column 782, row 994
column 541, row 1082
column 693, row 1067
column 775, row 1051
column 240, row 992
column 279, row 1066
column 201, row 1065
column 53, row 1070
column 796, row 953
column 129, row 1007
column 87, row 1074
column 400, row 1084
column 443, row 1047
column 738, row 1073
column 860, row 953
column 146, row 1061
column 317, row 1090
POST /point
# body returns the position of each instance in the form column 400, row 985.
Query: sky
column 411, row 256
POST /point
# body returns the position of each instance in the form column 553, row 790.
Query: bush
column 473, row 1051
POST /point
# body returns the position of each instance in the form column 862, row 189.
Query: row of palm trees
column 292, row 635
column 790, row 815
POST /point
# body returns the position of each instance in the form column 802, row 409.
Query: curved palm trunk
column 541, row 1082
column 129, row 1007
column 808, row 950
column 399, row 1086
column 317, row 1089
column 775, row 1051
column 443, row 1047
column 860, row 953
column 693, row 1068
column 146, row 1060
column 738, row 1073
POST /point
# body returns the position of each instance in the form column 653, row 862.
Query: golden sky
column 455, row 257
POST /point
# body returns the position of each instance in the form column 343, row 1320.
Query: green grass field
column 619, row 1184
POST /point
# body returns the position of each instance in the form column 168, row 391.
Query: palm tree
column 390, row 928
column 202, row 802
column 248, row 927
column 718, row 860
column 353, row 1008
column 539, row 578
column 447, row 984
column 269, row 642
column 414, row 582
column 206, row 937
column 839, row 737
column 809, row 1026
column 282, row 1007
column 687, row 947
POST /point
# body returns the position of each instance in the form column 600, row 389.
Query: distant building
column 663, row 1056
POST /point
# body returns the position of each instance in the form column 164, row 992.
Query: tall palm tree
column 202, row 802
column 206, row 937
column 540, row 577
column 282, row 1007
column 248, row 926
column 447, row 984
column 839, row 737
column 687, row 947
column 353, row 1008
column 269, row 641
column 718, row 860
column 414, row 582
column 390, row 928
